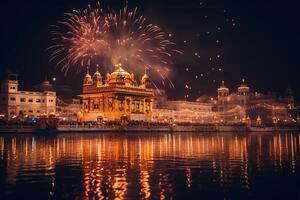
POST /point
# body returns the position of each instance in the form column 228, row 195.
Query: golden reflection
column 122, row 166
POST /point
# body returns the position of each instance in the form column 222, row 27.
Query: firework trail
column 79, row 39
column 94, row 36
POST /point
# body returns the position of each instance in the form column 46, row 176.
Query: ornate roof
column 120, row 76
column 144, row 78
column 223, row 86
column 243, row 84
column 97, row 74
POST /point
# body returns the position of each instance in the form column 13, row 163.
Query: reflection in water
column 147, row 166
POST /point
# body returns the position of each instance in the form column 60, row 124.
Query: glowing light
column 93, row 36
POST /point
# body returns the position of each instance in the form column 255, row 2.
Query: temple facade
column 118, row 97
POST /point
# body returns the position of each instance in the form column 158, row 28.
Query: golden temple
column 118, row 97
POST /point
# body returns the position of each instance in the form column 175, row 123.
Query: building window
column 137, row 106
column 43, row 100
column 96, row 106
column 12, row 88
column 38, row 100
column 22, row 99
column 30, row 100
column 12, row 98
column 50, row 100
column 30, row 111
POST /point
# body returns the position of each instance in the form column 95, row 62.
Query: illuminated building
column 184, row 111
column 118, row 97
column 233, row 107
column 223, row 93
column 68, row 109
column 243, row 94
column 15, row 103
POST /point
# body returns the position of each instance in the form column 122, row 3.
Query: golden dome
column 97, row 78
column 145, row 81
column 144, row 78
column 97, row 74
column 120, row 76
column 87, row 76
column 87, row 79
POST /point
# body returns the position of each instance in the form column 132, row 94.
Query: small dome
column 223, row 85
column 97, row 74
column 145, row 77
column 97, row 78
column 87, row 76
column 87, row 79
column 46, row 82
column 243, row 84
column 145, row 81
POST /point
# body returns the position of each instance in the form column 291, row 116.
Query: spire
column 87, row 79
column 243, row 84
column 145, row 81
column 118, row 65
column 223, row 84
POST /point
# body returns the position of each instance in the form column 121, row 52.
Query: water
column 150, row 166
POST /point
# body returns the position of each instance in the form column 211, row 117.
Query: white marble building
column 15, row 103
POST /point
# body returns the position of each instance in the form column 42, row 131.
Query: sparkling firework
column 94, row 36
column 79, row 39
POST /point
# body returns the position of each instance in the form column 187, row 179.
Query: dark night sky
column 256, row 40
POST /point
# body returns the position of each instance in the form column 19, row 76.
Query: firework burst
column 95, row 36
column 79, row 39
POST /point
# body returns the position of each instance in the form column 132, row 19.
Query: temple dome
column 97, row 78
column 145, row 81
column 243, row 84
column 145, row 77
column 97, row 74
column 87, row 76
column 87, row 79
column 120, row 76
column 44, row 86
column 223, row 86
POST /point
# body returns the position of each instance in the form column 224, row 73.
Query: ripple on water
column 149, row 166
